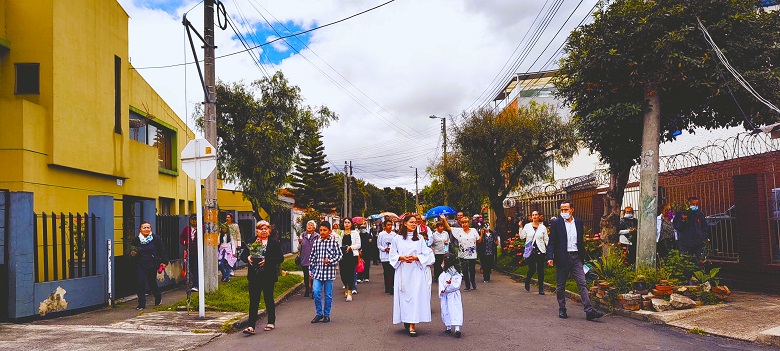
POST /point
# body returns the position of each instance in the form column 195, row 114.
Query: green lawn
column 505, row 263
column 234, row 296
column 289, row 264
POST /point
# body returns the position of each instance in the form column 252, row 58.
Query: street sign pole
column 198, row 160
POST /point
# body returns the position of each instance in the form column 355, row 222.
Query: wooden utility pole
column 210, row 241
column 345, row 213
column 648, row 181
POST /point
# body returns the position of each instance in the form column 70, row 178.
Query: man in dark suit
column 566, row 249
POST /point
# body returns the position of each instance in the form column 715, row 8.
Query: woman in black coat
column 264, row 256
column 148, row 252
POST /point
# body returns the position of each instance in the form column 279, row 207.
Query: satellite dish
column 509, row 203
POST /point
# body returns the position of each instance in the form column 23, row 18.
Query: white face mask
column 629, row 215
column 565, row 215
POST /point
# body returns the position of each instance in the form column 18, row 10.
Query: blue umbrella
column 375, row 216
column 440, row 210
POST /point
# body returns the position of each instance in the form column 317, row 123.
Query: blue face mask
column 629, row 215
column 694, row 208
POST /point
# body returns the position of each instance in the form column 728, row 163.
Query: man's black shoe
column 541, row 292
column 593, row 315
column 316, row 319
column 326, row 319
column 527, row 286
column 562, row 313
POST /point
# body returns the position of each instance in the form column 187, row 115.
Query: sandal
column 412, row 333
column 269, row 327
column 249, row 330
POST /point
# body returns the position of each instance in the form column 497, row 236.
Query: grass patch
column 506, row 263
column 696, row 331
column 234, row 295
column 289, row 264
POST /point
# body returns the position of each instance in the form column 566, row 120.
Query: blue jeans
column 225, row 268
column 317, row 288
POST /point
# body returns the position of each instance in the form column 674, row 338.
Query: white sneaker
column 354, row 292
column 365, row 280
column 232, row 274
column 359, row 281
column 194, row 289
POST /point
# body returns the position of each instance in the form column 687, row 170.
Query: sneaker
column 359, row 281
column 140, row 308
column 232, row 274
column 194, row 289
column 158, row 302
column 365, row 280
column 485, row 281
column 354, row 292
column 562, row 313
column 594, row 314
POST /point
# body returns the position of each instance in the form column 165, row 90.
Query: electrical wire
column 272, row 41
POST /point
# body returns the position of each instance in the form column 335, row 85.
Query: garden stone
column 680, row 302
column 661, row 305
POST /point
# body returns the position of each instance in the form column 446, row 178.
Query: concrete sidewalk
column 122, row 327
column 746, row 316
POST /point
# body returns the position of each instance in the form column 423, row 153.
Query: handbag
column 298, row 260
column 361, row 265
column 529, row 245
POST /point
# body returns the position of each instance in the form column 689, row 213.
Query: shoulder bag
column 529, row 245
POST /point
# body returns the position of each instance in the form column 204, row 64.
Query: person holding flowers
column 264, row 256
column 150, row 259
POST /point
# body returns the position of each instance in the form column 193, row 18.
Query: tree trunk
column 618, row 178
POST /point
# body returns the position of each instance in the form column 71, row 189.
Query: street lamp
column 416, row 191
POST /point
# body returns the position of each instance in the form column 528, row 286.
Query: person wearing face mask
column 566, row 249
column 692, row 229
column 148, row 252
column 665, row 236
column 628, row 225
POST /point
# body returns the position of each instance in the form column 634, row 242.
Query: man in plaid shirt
column 323, row 264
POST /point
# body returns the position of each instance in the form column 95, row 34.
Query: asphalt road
column 498, row 316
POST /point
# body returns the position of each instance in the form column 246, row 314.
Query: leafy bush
column 653, row 275
column 708, row 298
column 711, row 277
column 289, row 265
column 680, row 266
column 616, row 273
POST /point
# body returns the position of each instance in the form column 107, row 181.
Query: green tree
column 637, row 50
column 513, row 148
column 260, row 128
column 312, row 184
column 460, row 189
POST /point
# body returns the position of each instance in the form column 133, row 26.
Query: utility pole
column 350, row 189
column 648, row 181
column 346, row 196
column 444, row 147
column 416, row 191
column 210, row 240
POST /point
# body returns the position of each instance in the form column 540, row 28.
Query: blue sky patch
column 278, row 51
column 169, row 6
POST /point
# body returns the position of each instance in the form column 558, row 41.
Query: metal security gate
column 5, row 199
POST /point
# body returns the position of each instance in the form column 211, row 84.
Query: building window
column 166, row 205
column 145, row 131
column 28, row 78
column 117, row 95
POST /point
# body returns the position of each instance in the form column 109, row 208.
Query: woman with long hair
column 411, row 256
column 350, row 247
column 536, row 231
column 226, row 252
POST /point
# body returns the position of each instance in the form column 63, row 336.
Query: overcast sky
column 384, row 72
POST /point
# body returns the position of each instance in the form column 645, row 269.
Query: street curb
column 662, row 318
column 769, row 337
column 262, row 313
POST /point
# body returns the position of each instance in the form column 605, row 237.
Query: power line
column 272, row 41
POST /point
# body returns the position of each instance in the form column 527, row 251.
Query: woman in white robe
column 411, row 256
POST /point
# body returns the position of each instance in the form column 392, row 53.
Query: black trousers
column 144, row 276
column 487, row 263
column 257, row 287
column 366, row 269
column 347, row 270
column 437, row 267
column 389, row 273
column 468, row 268
column 306, row 282
column 536, row 265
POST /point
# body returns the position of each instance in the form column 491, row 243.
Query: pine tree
column 312, row 184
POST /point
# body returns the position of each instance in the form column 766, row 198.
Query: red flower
column 519, row 254
column 511, row 246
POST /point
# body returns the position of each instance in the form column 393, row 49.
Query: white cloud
column 401, row 62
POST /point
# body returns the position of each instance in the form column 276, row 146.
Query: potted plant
column 257, row 252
